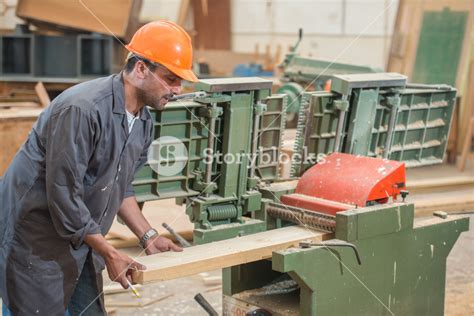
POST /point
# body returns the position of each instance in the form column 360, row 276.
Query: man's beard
column 152, row 100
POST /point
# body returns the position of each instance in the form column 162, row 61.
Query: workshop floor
column 181, row 301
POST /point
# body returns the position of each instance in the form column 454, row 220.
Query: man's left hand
column 160, row 244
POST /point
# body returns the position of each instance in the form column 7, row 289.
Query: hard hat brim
column 185, row 74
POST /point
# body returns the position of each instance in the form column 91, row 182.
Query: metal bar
column 192, row 95
column 390, row 130
column 205, row 305
column 340, row 128
column 210, row 146
column 428, row 86
column 256, row 124
column 184, row 243
column 333, row 243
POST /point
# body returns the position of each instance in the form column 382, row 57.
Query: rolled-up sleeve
column 70, row 143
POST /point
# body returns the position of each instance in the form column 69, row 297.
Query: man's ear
column 140, row 69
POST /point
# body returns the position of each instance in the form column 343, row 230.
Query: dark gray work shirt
column 68, row 180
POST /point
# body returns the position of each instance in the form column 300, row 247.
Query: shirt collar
column 119, row 94
column 119, row 97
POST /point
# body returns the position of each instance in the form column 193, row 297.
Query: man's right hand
column 120, row 266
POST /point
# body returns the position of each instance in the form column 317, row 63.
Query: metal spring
column 300, row 216
column 299, row 138
column 223, row 222
column 221, row 212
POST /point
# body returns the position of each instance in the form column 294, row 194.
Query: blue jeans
column 85, row 300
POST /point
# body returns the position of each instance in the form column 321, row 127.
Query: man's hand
column 120, row 267
column 160, row 244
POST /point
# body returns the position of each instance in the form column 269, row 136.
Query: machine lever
column 333, row 243
column 205, row 305
column 183, row 242
column 192, row 95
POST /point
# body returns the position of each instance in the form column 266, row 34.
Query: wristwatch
column 150, row 233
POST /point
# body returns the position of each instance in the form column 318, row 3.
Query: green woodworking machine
column 301, row 74
column 375, row 115
column 376, row 259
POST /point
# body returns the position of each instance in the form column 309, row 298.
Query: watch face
column 152, row 232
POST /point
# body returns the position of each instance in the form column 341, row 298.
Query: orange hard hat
column 165, row 43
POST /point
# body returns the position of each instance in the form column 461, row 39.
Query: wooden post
column 42, row 94
column 466, row 151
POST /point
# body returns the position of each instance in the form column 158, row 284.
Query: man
column 73, row 175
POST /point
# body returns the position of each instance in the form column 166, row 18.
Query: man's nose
column 176, row 89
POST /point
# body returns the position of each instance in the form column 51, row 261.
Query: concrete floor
column 460, row 275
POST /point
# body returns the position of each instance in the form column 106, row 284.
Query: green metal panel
column 182, row 121
column 363, row 113
column 422, row 126
column 188, row 121
column 421, row 123
column 316, row 129
column 403, row 272
column 303, row 74
column 344, row 84
column 374, row 221
column 314, row 71
column 220, row 85
column 439, row 47
column 228, row 194
column 221, row 232
column 238, row 118
column 270, row 137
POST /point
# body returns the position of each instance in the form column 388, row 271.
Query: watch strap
column 147, row 236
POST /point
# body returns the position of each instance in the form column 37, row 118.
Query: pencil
column 134, row 290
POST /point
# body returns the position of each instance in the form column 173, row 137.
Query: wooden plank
column 407, row 30
column 183, row 12
column 25, row 104
column 222, row 254
column 405, row 37
column 467, row 102
column 424, row 185
column 451, row 148
column 42, row 94
column 212, row 24
column 432, row 220
column 15, row 124
column 157, row 212
column 451, row 202
column 20, row 114
column 467, row 145
column 140, row 303
column 117, row 16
